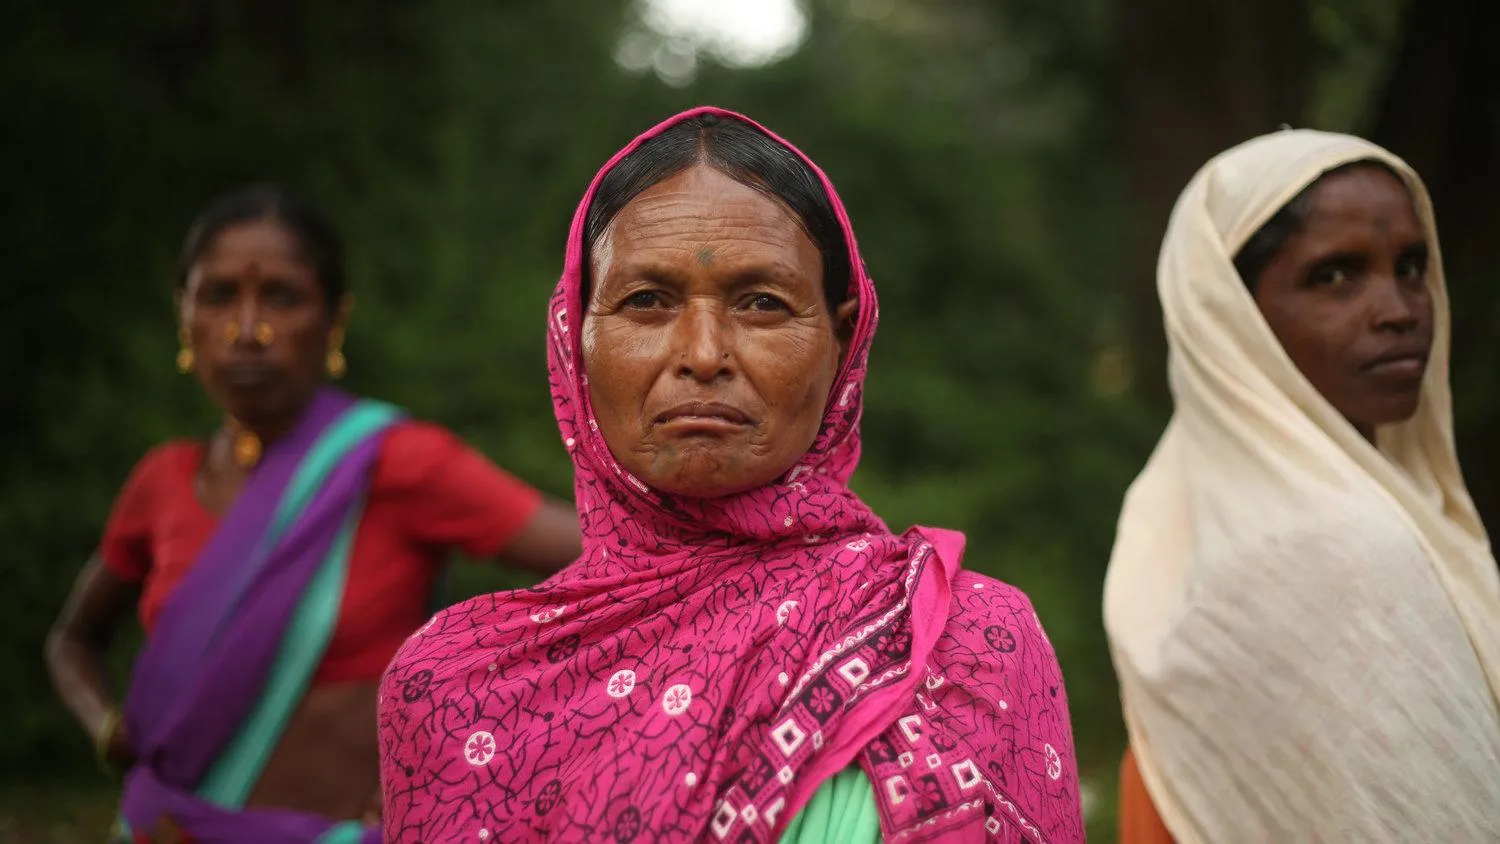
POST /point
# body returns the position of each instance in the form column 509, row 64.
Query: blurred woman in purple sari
column 276, row 566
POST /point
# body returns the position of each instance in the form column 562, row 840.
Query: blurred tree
column 1193, row 80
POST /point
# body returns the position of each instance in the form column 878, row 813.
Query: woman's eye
column 642, row 300
column 282, row 296
column 218, row 293
column 766, row 302
column 1328, row 276
column 1411, row 269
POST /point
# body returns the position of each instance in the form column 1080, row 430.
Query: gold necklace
column 244, row 444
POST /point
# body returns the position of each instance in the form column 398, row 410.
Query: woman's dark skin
column 253, row 275
column 709, row 343
column 1347, row 297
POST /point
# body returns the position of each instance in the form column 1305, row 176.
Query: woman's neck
column 248, row 438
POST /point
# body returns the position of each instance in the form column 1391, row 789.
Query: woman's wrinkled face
column 709, row 347
column 1347, row 296
column 258, row 322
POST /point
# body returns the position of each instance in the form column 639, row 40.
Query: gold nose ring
column 231, row 333
column 264, row 333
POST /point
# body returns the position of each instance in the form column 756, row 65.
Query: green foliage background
column 977, row 147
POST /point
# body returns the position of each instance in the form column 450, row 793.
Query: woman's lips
column 247, row 375
column 704, row 417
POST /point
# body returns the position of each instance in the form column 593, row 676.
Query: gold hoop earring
column 265, row 335
column 185, row 358
column 231, row 333
column 337, row 364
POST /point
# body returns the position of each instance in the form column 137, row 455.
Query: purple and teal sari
column 236, row 645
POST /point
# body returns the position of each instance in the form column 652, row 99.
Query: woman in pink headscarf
column 745, row 652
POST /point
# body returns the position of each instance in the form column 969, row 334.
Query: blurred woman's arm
column 451, row 495
column 77, row 647
column 549, row 541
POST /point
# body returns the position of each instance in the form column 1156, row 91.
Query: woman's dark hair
column 321, row 245
column 743, row 153
column 1262, row 246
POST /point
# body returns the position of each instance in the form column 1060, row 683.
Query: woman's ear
column 844, row 318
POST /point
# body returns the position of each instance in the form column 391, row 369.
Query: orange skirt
column 1139, row 822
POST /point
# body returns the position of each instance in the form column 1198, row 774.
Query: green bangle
column 103, row 738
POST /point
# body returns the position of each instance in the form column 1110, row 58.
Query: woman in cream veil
column 1302, row 605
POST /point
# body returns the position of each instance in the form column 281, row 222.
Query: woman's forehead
column 705, row 221
column 1362, row 190
column 706, row 190
column 701, row 202
column 260, row 238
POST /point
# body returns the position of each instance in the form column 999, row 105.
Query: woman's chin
column 1391, row 410
column 707, row 473
column 701, row 487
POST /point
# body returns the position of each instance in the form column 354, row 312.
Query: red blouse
column 429, row 494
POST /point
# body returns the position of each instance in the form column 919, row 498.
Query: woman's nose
column 703, row 340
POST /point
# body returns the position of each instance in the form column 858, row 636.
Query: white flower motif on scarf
column 676, row 700
column 546, row 614
column 1054, row 761
column 480, row 748
column 621, row 684
column 784, row 611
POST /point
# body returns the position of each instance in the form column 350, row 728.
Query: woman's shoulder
column 177, row 449
column 997, row 678
column 990, row 592
column 409, row 435
column 993, row 619
column 417, row 441
column 982, row 602
column 173, row 458
column 424, row 457
column 160, row 479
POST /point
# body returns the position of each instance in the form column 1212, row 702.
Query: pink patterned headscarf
column 709, row 663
